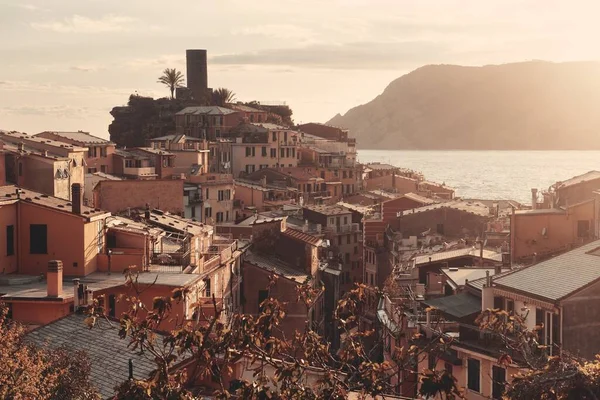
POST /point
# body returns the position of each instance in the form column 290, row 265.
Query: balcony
column 340, row 229
column 315, row 195
column 195, row 199
column 141, row 171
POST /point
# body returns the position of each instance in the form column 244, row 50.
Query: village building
column 99, row 156
column 207, row 122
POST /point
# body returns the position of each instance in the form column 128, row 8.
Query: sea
column 508, row 175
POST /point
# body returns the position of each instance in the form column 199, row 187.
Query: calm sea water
column 491, row 174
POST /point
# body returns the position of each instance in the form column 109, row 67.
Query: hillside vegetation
column 530, row 105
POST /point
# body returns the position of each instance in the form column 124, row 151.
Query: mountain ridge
column 533, row 105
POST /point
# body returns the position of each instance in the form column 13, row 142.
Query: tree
column 172, row 79
column 215, row 343
column 28, row 372
column 223, row 96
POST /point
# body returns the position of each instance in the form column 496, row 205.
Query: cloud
column 348, row 56
column 26, row 86
column 83, row 68
column 82, row 24
column 58, row 111
column 166, row 60
column 280, row 31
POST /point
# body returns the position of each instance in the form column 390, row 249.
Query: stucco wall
column 115, row 196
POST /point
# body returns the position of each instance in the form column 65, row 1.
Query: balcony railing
column 195, row 199
column 349, row 228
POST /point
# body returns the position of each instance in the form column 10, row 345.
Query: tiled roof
column 105, row 176
column 8, row 194
column 466, row 206
column 80, row 136
column 467, row 251
column 381, row 166
column 276, row 266
column 153, row 151
column 128, row 154
column 332, row 209
column 458, row 306
column 419, row 198
column 210, row 110
column 459, row 276
column 270, row 126
column 301, row 236
column 175, row 138
column 244, row 108
column 588, row 176
column 540, row 211
column 558, row 277
column 178, row 223
column 478, row 283
column 16, row 137
column 109, row 355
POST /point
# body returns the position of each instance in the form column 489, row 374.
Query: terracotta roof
column 175, row 222
column 418, row 198
column 79, row 136
column 16, row 137
column 276, row 266
column 8, row 194
column 301, row 236
column 210, row 110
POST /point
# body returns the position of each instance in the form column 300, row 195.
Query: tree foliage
column 222, row 97
column 215, row 342
column 171, row 78
column 28, row 372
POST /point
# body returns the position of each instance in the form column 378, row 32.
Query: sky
column 65, row 63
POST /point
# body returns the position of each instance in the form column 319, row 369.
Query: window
column 440, row 229
column 344, row 175
column 208, row 212
column 112, row 303
column 473, row 374
column 287, row 152
column 253, row 151
column 355, row 237
column 448, row 368
column 207, row 193
column 104, row 168
column 281, row 153
column 220, row 196
column 510, row 306
column 355, row 249
column 498, row 303
column 219, row 217
column 264, row 151
column 583, row 229
column 207, row 287
column 347, row 257
column 348, row 239
column 371, row 279
column 274, row 136
column 498, row 381
column 262, row 296
column 193, row 212
column 10, row 240
column 339, row 240
column 248, row 151
column 285, row 136
column 103, row 152
column 431, row 362
column 350, row 174
column 228, row 194
column 348, row 276
column 38, row 239
column 20, row 169
column 273, row 153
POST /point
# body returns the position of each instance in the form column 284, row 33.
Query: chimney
column 497, row 269
column 89, row 296
column 147, row 212
column 534, row 199
column 481, row 253
column 54, row 278
column 76, row 198
column 75, row 294
column 487, row 293
column 20, row 147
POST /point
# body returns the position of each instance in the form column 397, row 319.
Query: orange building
column 539, row 233
column 42, row 165
column 100, row 151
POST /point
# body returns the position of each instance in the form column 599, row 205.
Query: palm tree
column 222, row 96
column 172, row 79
